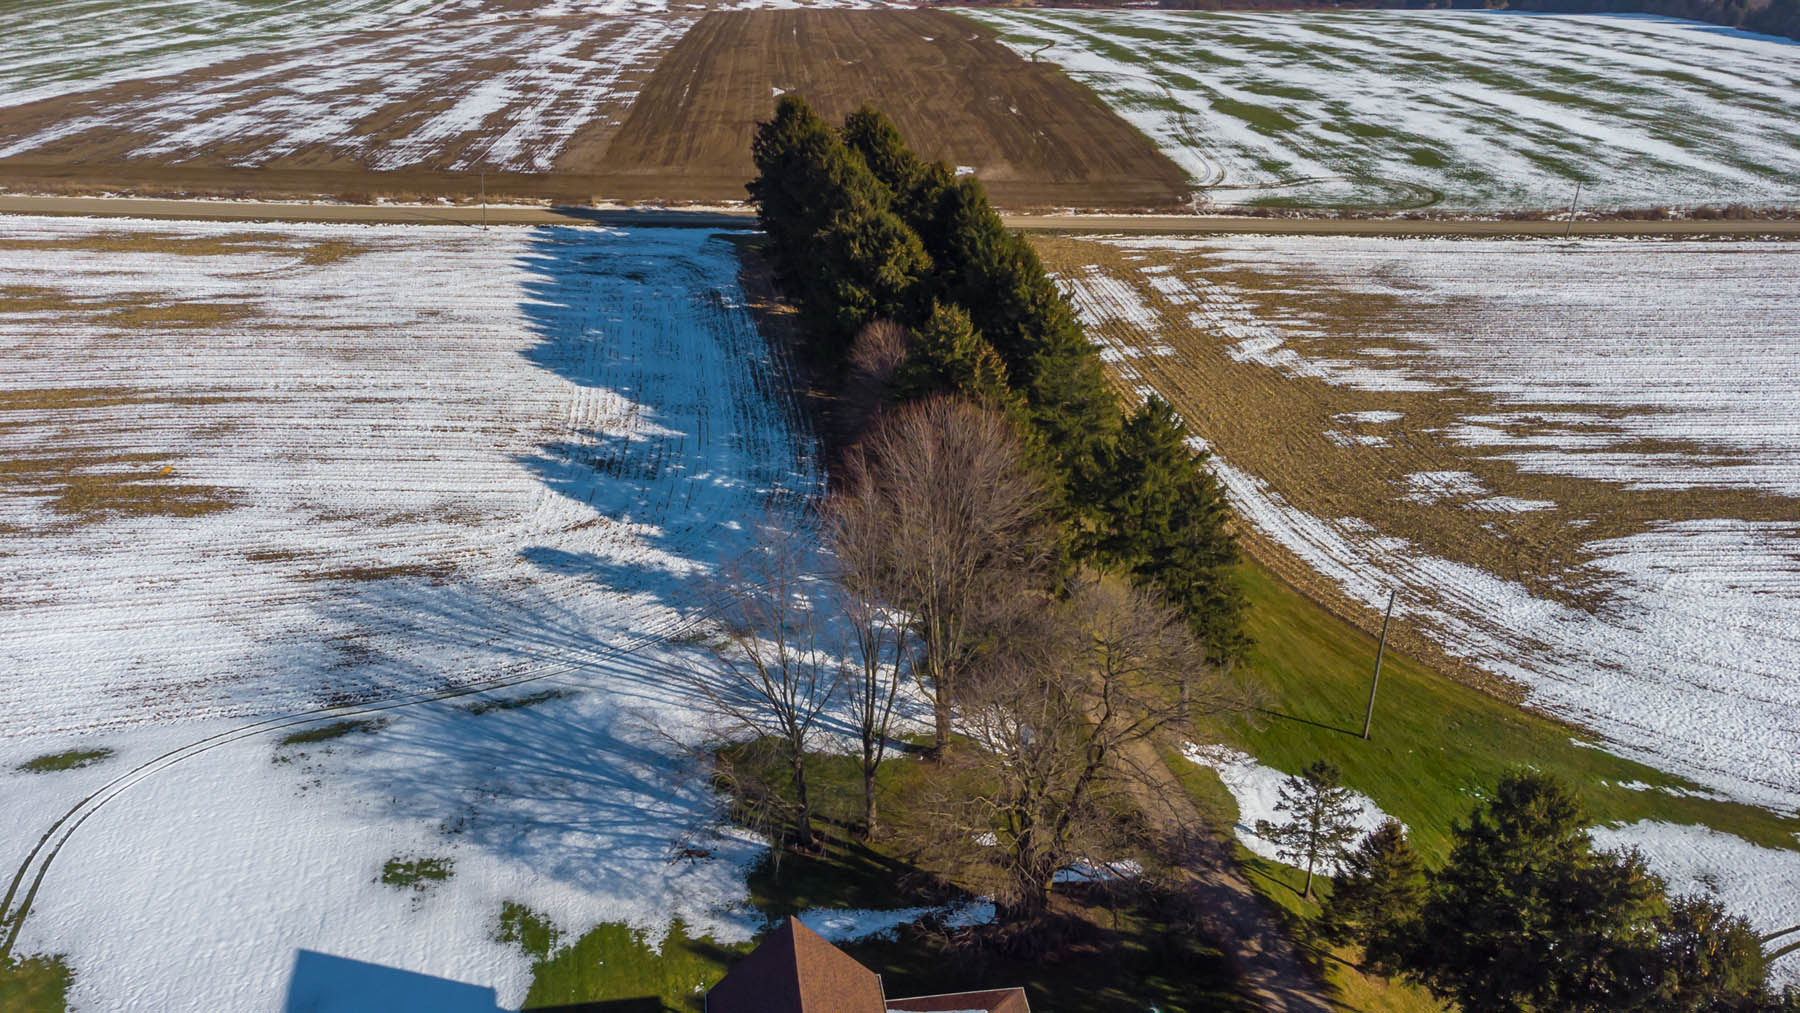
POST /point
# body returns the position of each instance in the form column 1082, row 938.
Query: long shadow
column 676, row 441
column 1278, row 715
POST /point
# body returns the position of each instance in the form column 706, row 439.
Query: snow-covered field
column 1635, row 368
column 355, row 465
column 1465, row 110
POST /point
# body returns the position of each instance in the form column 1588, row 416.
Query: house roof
column 795, row 970
column 999, row 1000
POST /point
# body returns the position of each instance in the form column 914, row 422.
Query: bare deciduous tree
column 875, row 357
column 1054, row 713
column 778, row 669
column 958, row 530
column 879, row 640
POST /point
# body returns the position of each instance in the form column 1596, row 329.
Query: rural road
column 260, row 211
column 1269, row 966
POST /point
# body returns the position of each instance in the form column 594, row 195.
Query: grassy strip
column 1437, row 745
column 615, row 963
column 34, row 985
column 73, row 759
column 325, row 733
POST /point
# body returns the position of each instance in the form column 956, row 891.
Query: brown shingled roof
column 999, row 1000
column 795, row 970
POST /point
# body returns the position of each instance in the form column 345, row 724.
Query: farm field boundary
column 729, row 217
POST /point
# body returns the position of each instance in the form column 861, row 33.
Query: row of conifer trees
column 862, row 230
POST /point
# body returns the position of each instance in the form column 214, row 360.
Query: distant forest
column 1769, row 17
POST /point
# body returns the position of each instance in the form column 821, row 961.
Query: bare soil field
column 573, row 108
column 1577, row 463
column 1035, row 137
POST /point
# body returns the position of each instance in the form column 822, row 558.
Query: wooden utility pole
column 1369, row 715
column 1572, row 203
column 484, row 200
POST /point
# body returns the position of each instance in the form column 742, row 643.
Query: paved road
column 263, row 211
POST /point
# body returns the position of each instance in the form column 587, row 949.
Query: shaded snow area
column 1762, row 884
column 1653, row 365
column 1257, row 790
column 1464, row 109
column 430, row 459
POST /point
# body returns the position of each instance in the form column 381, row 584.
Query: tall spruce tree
column 837, row 243
column 1528, row 916
column 1163, row 518
column 1320, row 823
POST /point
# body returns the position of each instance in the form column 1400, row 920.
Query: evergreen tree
column 848, row 258
column 790, row 152
column 1321, row 820
column 946, row 356
column 1163, row 518
column 1527, row 916
column 1709, row 960
column 1375, row 901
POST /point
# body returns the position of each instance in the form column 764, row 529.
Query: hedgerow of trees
column 864, row 232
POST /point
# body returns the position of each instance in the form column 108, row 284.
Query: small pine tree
column 946, row 356
column 1321, row 820
column 1375, row 901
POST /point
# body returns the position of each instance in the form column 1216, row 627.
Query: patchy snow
column 1257, row 790
column 1649, row 363
column 516, row 118
column 1428, row 487
column 1685, row 666
column 451, row 459
column 1761, row 884
column 1364, row 108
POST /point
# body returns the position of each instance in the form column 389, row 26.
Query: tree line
column 1052, row 572
column 912, row 286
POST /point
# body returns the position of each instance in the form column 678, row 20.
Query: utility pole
column 1369, row 715
column 484, row 200
column 1572, row 204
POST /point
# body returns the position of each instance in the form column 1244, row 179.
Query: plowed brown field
column 1035, row 137
column 572, row 109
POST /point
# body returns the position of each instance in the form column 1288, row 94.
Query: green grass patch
column 418, row 874
column 335, row 730
column 1261, row 119
column 616, row 963
column 72, row 759
column 34, row 985
column 1437, row 745
column 488, row 705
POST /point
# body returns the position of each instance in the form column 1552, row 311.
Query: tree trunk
column 803, row 832
column 1307, row 891
column 869, row 801
column 940, row 703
